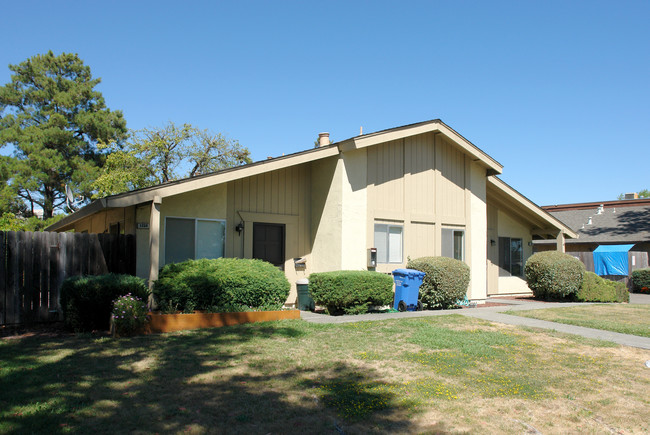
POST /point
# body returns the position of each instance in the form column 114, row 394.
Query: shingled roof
column 623, row 221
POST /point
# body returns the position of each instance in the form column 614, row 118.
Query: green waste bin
column 305, row 302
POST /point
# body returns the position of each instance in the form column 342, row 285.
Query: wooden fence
column 34, row 265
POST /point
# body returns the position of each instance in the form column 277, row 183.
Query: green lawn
column 434, row 375
column 626, row 319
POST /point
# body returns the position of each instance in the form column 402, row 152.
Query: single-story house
column 369, row 202
column 606, row 230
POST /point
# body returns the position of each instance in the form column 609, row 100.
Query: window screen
column 179, row 240
column 189, row 238
column 388, row 241
column 453, row 243
column 210, row 236
column 511, row 257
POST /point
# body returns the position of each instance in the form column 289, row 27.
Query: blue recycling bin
column 407, row 289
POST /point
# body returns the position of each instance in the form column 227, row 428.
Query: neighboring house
column 412, row 191
column 608, row 226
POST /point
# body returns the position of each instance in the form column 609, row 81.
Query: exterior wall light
column 239, row 228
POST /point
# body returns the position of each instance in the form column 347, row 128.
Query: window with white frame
column 388, row 241
column 191, row 238
column 453, row 243
column 511, row 257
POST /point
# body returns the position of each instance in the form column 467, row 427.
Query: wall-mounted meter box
column 372, row 257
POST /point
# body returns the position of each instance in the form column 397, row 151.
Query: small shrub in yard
column 596, row 289
column 445, row 283
column 129, row 314
column 350, row 291
column 87, row 301
column 221, row 285
column 554, row 275
column 641, row 280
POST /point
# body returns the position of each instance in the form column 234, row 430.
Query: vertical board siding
column 281, row 192
column 422, row 240
column 34, row 265
column 386, row 176
column 451, row 164
column 420, row 164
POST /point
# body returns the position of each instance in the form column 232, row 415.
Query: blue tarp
column 611, row 259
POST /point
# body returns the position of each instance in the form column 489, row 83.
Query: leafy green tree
column 53, row 118
column 11, row 222
column 157, row 155
column 645, row 193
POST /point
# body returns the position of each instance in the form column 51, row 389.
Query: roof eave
column 436, row 126
column 532, row 207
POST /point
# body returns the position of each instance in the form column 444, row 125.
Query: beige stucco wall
column 354, row 207
column 511, row 226
column 476, row 235
column 327, row 214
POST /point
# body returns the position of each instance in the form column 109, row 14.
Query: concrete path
column 494, row 314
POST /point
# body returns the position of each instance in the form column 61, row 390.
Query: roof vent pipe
column 323, row 139
column 601, row 208
column 589, row 221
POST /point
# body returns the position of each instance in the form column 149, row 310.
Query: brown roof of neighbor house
column 624, row 221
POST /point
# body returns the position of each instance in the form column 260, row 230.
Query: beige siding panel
column 421, row 240
column 419, row 166
column 274, row 197
column 386, row 176
column 451, row 183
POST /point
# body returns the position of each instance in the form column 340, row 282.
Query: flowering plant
column 129, row 314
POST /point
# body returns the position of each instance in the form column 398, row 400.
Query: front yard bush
column 445, row 283
column 222, row 284
column 641, row 280
column 350, row 291
column 597, row 289
column 554, row 275
column 87, row 301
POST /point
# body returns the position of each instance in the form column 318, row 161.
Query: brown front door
column 268, row 243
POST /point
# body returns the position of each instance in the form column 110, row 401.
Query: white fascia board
column 531, row 206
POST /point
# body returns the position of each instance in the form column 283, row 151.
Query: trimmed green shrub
column 641, row 280
column 597, row 289
column 350, row 291
column 554, row 275
column 221, row 285
column 445, row 283
column 87, row 301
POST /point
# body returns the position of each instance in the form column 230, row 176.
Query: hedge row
column 223, row 284
column 641, row 280
column 596, row 289
column 554, row 275
column 445, row 283
column 350, row 291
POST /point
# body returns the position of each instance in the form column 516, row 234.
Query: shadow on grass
column 202, row 381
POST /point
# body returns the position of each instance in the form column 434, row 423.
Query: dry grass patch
column 623, row 318
column 447, row 374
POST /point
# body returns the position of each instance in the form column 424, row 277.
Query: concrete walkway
column 494, row 314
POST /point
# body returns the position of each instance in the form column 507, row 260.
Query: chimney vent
column 323, row 139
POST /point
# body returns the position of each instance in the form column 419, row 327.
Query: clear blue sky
column 556, row 91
